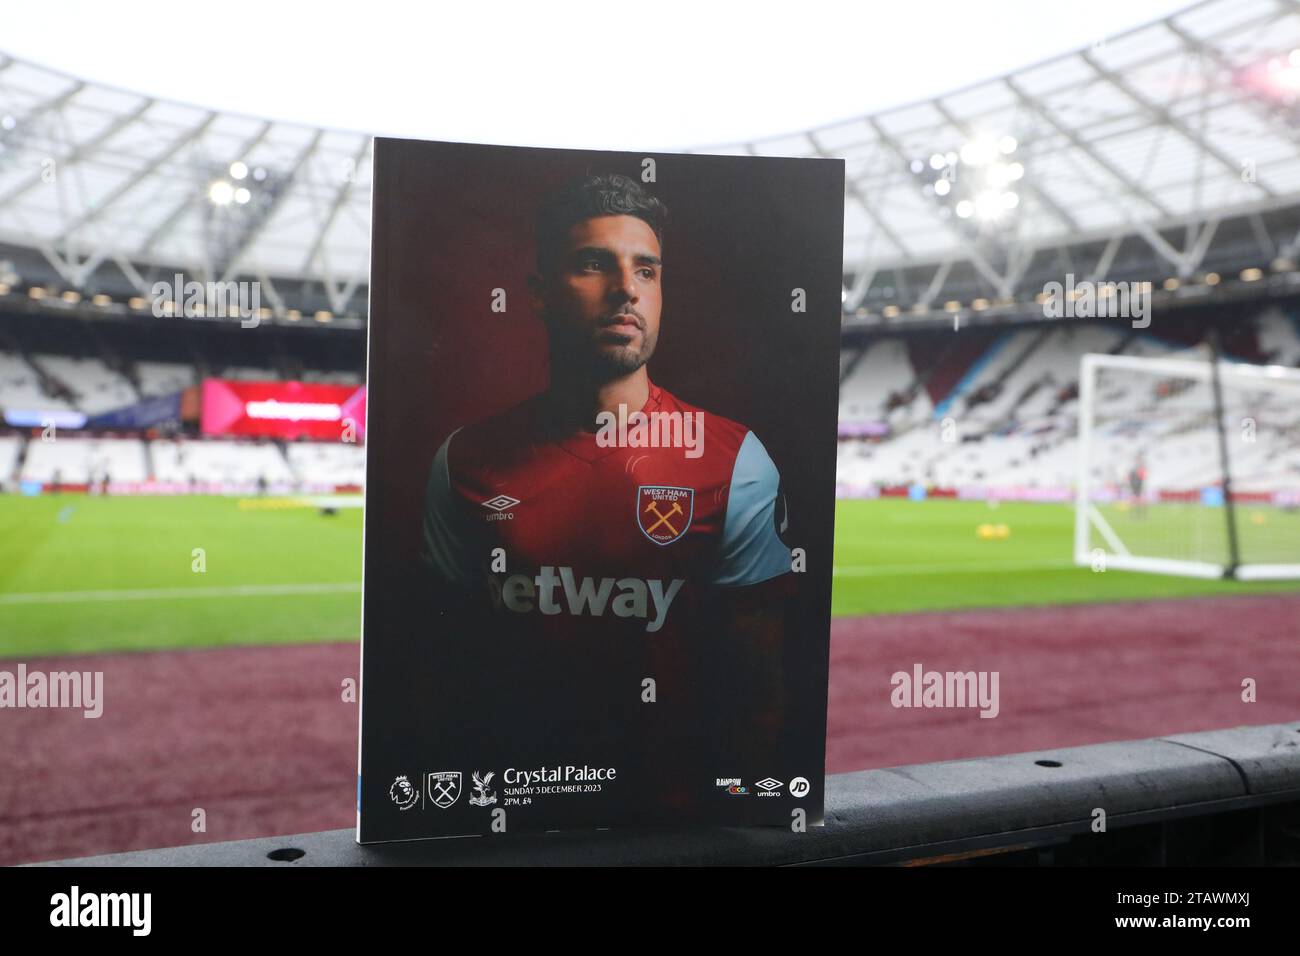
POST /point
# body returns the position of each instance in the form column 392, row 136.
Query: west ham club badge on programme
column 600, row 485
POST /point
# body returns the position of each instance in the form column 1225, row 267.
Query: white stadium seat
column 98, row 388
column 84, row 460
column 328, row 464
column 231, row 462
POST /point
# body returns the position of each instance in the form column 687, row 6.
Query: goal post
column 1188, row 466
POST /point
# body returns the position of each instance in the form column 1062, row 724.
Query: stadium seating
column 876, row 387
column 1014, row 415
column 97, row 387
column 231, row 462
column 84, row 460
column 9, row 445
column 246, row 374
column 328, row 464
column 20, row 387
column 1279, row 338
column 75, row 461
column 159, row 378
column 332, row 378
column 1011, row 395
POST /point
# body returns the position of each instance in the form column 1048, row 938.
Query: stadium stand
column 96, row 387
column 242, row 374
column 1010, row 394
column 877, row 385
column 21, row 386
column 318, row 463
column 9, row 448
column 80, row 461
column 332, row 378
column 219, row 461
column 1013, row 407
column 1279, row 338
column 159, row 378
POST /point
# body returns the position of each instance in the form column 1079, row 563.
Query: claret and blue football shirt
column 599, row 564
column 627, row 534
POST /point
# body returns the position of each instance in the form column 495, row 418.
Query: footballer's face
column 602, row 302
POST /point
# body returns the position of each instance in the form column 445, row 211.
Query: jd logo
column 444, row 788
column 664, row 513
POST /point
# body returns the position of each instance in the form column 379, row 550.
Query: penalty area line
column 167, row 594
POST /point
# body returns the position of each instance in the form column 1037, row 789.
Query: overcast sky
column 619, row 75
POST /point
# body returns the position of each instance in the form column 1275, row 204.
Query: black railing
column 1220, row 797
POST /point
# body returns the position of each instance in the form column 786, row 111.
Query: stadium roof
column 1177, row 124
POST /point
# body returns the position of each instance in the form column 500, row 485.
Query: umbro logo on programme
column 501, row 503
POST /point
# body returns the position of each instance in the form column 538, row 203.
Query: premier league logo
column 663, row 513
column 403, row 793
column 444, row 788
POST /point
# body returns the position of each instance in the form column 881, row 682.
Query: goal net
column 1185, row 471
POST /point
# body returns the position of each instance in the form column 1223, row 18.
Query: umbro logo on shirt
column 501, row 506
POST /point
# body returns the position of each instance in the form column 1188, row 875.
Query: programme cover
column 601, row 440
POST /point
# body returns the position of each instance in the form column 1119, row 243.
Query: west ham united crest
column 663, row 513
column 444, row 788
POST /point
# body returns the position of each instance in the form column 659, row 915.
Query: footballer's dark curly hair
column 610, row 194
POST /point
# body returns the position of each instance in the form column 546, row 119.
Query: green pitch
column 85, row 574
column 80, row 573
column 894, row 555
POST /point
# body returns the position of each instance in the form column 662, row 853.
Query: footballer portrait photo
column 602, row 418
